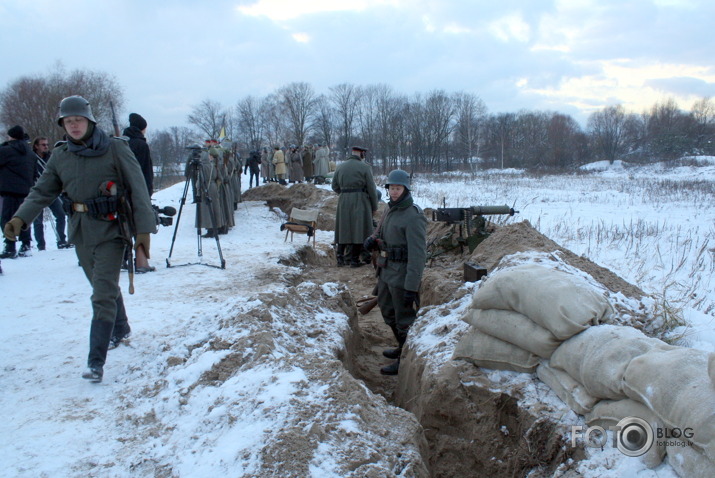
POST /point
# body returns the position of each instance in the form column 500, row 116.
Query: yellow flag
column 222, row 134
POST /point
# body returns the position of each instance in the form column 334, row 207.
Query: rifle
column 125, row 218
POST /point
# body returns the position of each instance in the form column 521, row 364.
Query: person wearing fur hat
column 137, row 143
column 16, row 176
column 93, row 169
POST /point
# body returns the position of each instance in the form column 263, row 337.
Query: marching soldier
column 94, row 170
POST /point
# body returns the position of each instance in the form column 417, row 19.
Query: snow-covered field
column 164, row 409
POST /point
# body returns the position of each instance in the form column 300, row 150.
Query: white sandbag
column 676, row 386
column 566, row 388
column 607, row 413
column 598, row 357
column 563, row 303
column 489, row 352
column 689, row 462
column 514, row 328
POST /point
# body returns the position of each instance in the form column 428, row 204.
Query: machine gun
column 472, row 227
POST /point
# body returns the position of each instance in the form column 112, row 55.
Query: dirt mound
column 301, row 196
column 522, row 237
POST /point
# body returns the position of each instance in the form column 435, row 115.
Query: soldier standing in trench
column 401, row 238
column 357, row 203
column 89, row 167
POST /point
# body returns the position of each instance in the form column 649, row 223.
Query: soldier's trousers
column 101, row 265
column 399, row 318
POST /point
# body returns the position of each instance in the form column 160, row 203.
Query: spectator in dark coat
column 137, row 143
column 16, row 178
column 254, row 166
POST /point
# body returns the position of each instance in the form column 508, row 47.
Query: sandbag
column 514, row 328
column 676, row 386
column 689, row 462
column 489, row 352
column 563, row 303
column 566, row 388
column 598, row 357
column 608, row 413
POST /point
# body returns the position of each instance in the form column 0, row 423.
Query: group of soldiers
column 295, row 164
column 215, row 173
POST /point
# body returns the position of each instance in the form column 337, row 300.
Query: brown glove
column 13, row 228
column 143, row 239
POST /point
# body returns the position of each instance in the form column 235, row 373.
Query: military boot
column 392, row 353
column 391, row 369
column 100, row 334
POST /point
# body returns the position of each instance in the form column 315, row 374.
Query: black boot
column 121, row 330
column 392, row 353
column 391, row 369
column 355, row 251
column 99, row 335
column 340, row 254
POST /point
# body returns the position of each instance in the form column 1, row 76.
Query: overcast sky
column 571, row 56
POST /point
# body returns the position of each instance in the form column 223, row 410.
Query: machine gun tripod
column 196, row 178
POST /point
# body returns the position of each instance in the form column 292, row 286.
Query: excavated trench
column 472, row 426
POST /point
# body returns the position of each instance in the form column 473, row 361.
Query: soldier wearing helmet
column 91, row 168
column 401, row 239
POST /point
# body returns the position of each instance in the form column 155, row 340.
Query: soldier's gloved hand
column 410, row 299
column 13, row 228
column 370, row 243
column 143, row 239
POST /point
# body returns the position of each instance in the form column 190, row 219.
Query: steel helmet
column 75, row 106
column 398, row 176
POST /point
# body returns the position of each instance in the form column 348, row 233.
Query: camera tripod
column 201, row 194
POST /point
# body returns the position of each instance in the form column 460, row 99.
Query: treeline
column 435, row 131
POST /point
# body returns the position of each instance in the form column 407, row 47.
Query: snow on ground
column 166, row 409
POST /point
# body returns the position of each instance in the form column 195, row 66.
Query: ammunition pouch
column 397, row 254
column 394, row 254
column 103, row 206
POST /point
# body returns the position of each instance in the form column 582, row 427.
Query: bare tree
column 324, row 121
column 607, row 129
column 470, row 116
column 703, row 112
column 208, row 117
column 169, row 154
column 249, row 121
column 346, row 99
column 33, row 101
column 298, row 101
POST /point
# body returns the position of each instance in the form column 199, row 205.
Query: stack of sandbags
column 675, row 384
column 599, row 356
column 524, row 312
column 608, row 413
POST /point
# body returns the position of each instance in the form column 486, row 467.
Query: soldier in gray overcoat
column 320, row 163
column 357, row 202
column 401, row 238
column 94, row 170
column 295, row 162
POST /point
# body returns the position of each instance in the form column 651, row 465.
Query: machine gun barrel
column 487, row 210
column 458, row 214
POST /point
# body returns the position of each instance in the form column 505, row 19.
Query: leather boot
column 391, row 369
column 99, row 335
column 355, row 251
column 340, row 254
column 392, row 353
